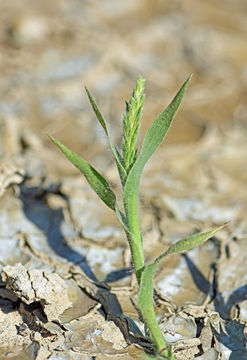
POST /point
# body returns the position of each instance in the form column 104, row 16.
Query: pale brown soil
column 66, row 288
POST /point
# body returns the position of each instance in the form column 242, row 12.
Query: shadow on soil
column 49, row 221
column 232, row 336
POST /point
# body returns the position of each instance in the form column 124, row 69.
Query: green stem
column 135, row 242
column 155, row 333
column 134, row 236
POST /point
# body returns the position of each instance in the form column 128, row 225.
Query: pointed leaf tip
column 190, row 242
column 97, row 182
column 117, row 156
column 145, row 296
column 153, row 138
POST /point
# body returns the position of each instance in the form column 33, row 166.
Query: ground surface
column 66, row 289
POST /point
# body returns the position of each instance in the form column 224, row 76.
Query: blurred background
column 50, row 50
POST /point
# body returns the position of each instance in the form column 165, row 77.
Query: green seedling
column 130, row 164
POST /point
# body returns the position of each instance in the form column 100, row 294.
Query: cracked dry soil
column 66, row 287
column 67, row 290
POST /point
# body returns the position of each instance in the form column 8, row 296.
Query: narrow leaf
column 95, row 180
column 145, row 296
column 97, row 111
column 189, row 242
column 152, row 140
column 116, row 154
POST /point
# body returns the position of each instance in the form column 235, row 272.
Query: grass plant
column 130, row 164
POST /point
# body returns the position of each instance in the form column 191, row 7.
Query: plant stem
column 134, row 236
column 155, row 332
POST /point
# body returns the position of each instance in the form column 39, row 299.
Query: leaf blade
column 117, row 157
column 97, row 111
column 189, row 243
column 152, row 140
column 145, row 295
column 97, row 182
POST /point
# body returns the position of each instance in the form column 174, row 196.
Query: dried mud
column 67, row 290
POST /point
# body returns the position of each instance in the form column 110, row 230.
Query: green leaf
column 152, row 140
column 95, row 180
column 145, row 296
column 116, row 154
column 189, row 242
